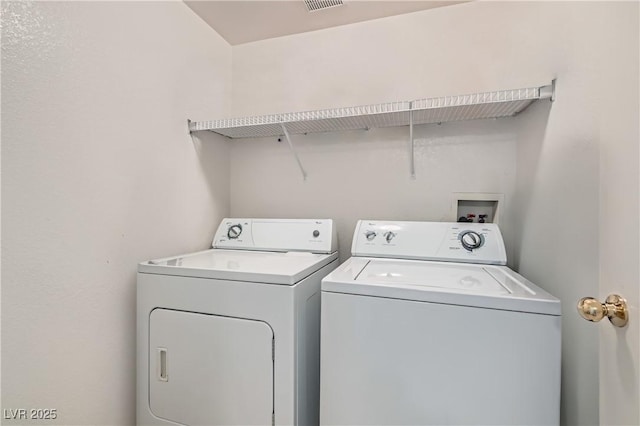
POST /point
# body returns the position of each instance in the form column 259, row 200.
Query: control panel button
column 234, row 231
column 471, row 240
column 316, row 233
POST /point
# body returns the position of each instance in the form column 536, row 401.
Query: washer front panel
column 399, row 362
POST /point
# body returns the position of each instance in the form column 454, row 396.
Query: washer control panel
column 444, row 241
column 314, row 235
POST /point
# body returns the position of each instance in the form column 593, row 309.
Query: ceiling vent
column 314, row 5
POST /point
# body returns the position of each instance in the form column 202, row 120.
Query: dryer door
column 210, row 370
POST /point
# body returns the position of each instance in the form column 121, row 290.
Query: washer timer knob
column 389, row 236
column 370, row 235
column 471, row 240
column 234, row 231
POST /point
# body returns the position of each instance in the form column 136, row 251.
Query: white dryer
column 425, row 326
column 231, row 335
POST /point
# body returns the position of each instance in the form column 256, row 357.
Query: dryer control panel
column 312, row 235
column 444, row 241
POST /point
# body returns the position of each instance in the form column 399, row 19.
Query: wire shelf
column 497, row 104
column 326, row 120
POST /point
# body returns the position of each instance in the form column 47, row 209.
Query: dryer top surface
column 285, row 268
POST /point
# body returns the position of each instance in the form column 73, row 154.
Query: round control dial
column 471, row 240
column 370, row 235
column 234, row 231
column 388, row 236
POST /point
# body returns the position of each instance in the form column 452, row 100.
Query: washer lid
column 238, row 265
column 485, row 286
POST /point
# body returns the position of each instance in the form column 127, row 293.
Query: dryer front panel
column 209, row 369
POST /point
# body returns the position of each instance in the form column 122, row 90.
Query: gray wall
column 99, row 173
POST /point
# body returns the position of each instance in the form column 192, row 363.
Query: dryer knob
column 471, row 240
column 234, row 231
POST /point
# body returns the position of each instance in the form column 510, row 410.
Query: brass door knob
column 614, row 308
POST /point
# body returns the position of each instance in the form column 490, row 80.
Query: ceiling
column 244, row 21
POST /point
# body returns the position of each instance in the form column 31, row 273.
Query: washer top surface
column 456, row 277
column 482, row 286
column 450, row 263
column 285, row 268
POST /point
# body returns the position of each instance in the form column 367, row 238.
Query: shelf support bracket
column 293, row 150
column 189, row 130
column 412, row 162
column 549, row 92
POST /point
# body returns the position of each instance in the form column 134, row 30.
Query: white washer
column 231, row 335
column 424, row 326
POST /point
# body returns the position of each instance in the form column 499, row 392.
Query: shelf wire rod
column 412, row 163
column 295, row 154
